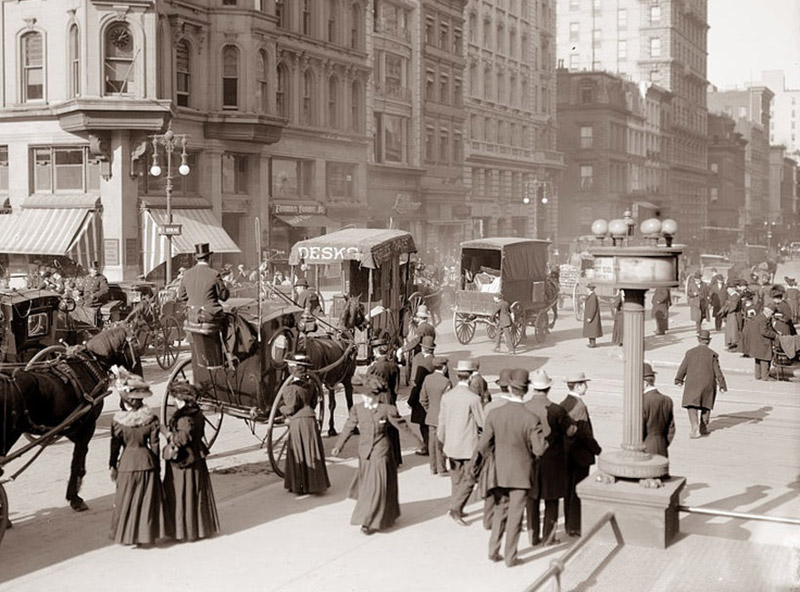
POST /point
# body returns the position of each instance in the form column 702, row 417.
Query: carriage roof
column 15, row 296
column 501, row 243
column 521, row 258
column 371, row 247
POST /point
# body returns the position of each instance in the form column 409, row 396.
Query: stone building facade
column 726, row 192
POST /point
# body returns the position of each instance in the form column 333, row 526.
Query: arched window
column 183, row 75
column 32, row 67
column 473, row 26
column 230, row 77
column 308, row 94
column 333, row 102
column 356, row 107
column 355, row 26
column 74, row 62
column 281, row 97
column 333, row 21
column 261, row 81
column 119, row 60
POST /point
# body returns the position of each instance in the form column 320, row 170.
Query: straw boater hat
column 577, row 377
column 540, row 380
column 465, row 366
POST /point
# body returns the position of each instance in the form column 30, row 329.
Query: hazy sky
column 748, row 36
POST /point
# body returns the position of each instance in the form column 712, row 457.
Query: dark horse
column 38, row 399
column 333, row 359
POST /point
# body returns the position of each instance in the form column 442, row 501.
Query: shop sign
column 298, row 208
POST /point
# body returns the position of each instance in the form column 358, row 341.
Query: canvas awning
column 54, row 226
column 197, row 226
column 309, row 221
column 371, row 247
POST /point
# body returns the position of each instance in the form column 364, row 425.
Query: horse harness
column 81, row 372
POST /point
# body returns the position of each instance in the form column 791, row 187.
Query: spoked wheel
column 3, row 512
column 578, row 301
column 278, row 427
column 491, row 331
column 542, row 326
column 414, row 302
column 463, row 327
column 518, row 322
column 51, row 352
column 212, row 410
column 168, row 345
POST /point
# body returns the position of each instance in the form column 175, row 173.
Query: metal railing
column 740, row 515
column 558, row 564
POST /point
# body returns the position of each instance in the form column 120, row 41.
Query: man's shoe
column 514, row 562
column 421, row 452
column 694, row 434
column 496, row 557
column 533, row 540
column 457, row 518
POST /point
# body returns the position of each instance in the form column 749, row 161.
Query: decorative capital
column 30, row 22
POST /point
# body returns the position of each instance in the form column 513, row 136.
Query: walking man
column 718, row 296
column 701, row 375
column 760, row 336
column 661, row 303
column 581, row 449
column 517, row 436
column 460, row 417
column 433, row 387
column 697, row 300
column 659, row 421
column 591, row 317
column 385, row 368
column 421, row 366
column 502, row 317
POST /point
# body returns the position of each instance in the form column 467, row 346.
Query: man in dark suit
column 502, row 317
column 478, row 385
column 581, row 449
column 421, row 366
column 95, row 288
column 385, row 368
column 700, row 374
column 591, row 317
column 696, row 295
column 760, row 336
column 203, row 290
column 783, row 321
column 719, row 295
column 659, row 421
column 430, row 397
column 307, row 299
column 661, row 303
column 517, row 436
column 420, row 329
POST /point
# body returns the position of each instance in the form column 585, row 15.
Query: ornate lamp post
column 647, row 515
column 169, row 140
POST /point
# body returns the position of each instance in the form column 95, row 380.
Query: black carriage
column 517, row 267
column 157, row 317
column 29, row 323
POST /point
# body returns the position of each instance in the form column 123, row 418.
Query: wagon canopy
column 521, row 258
column 371, row 247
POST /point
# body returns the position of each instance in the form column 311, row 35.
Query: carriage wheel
column 51, row 352
column 168, row 344
column 542, row 325
column 578, row 301
column 491, row 331
column 3, row 512
column 463, row 327
column 519, row 322
column 414, row 302
column 212, row 410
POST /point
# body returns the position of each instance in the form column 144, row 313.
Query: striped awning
column 197, row 226
column 71, row 232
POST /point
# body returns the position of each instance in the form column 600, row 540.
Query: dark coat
column 619, row 320
column 95, row 290
column 372, row 425
column 430, row 397
column 760, row 336
column 203, row 289
column 135, row 434
column 582, row 447
column 308, row 298
column 784, row 326
column 186, row 428
column 591, row 317
column 659, row 422
column 517, row 436
column 700, row 374
column 550, row 470
column 478, row 385
column 696, row 294
column 387, row 369
column 422, row 330
column 501, row 314
column 731, row 310
column 421, row 366
column 718, row 295
column 305, row 456
column 661, row 302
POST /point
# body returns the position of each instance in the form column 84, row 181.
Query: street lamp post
column 169, row 140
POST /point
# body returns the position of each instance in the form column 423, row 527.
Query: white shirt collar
column 650, row 388
column 511, row 398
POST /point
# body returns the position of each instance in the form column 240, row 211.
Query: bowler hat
column 648, row 371
column 590, row 286
column 302, row 283
column 202, row 250
column 465, row 366
column 519, row 378
column 440, row 362
column 540, row 380
column 428, row 342
column 504, row 378
column 704, row 335
column 777, row 291
column 577, row 377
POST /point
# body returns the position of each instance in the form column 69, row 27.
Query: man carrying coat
column 518, row 436
column 659, row 421
column 701, row 375
column 591, row 317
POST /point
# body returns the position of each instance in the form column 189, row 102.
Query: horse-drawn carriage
column 28, row 323
column 157, row 318
column 517, row 267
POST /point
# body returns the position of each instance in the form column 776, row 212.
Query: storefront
column 291, row 222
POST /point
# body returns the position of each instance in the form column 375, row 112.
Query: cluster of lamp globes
column 183, row 169
column 652, row 229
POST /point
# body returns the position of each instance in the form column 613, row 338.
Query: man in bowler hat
column 659, row 421
column 202, row 289
column 592, row 329
column 700, row 374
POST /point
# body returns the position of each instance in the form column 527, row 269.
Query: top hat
column 540, row 380
column 704, row 335
column 577, row 377
column 428, row 342
column 648, row 371
column 202, row 250
column 299, row 360
column 505, row 377
column 519, row 378
column 465, row 366
column 94, row 265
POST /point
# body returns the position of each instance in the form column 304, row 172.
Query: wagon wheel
column 578, row 301
column 212, row 410
column 3, row 512
column 414, row 302
column 542, row 325
column 168, row 342
column 518, row 321
column 463, row 327
column 491, row 331
column 51, row 352
column 278, row 427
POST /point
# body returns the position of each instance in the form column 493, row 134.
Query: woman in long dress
column 190, row 509
column 616, row 308
column 134, row 465
column 375, row 483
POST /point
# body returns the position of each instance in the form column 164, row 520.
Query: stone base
column 646, row 517
column 632, row 465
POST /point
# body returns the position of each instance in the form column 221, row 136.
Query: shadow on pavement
column 731, row 420
column 731, row 528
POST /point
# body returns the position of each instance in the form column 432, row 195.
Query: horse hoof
column 79, row 505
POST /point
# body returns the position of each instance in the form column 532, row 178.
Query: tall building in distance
column 663, row 42
column 512, row 167
column 726, row 193
column 784, row 122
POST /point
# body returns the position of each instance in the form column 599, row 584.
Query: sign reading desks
column 169, row 229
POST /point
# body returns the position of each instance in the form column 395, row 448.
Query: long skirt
column 190, row 509
column 305, row 458
column 732, row 330
column 744, row 338
column 617, row 331
column 136, row 517
column 374, row 488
